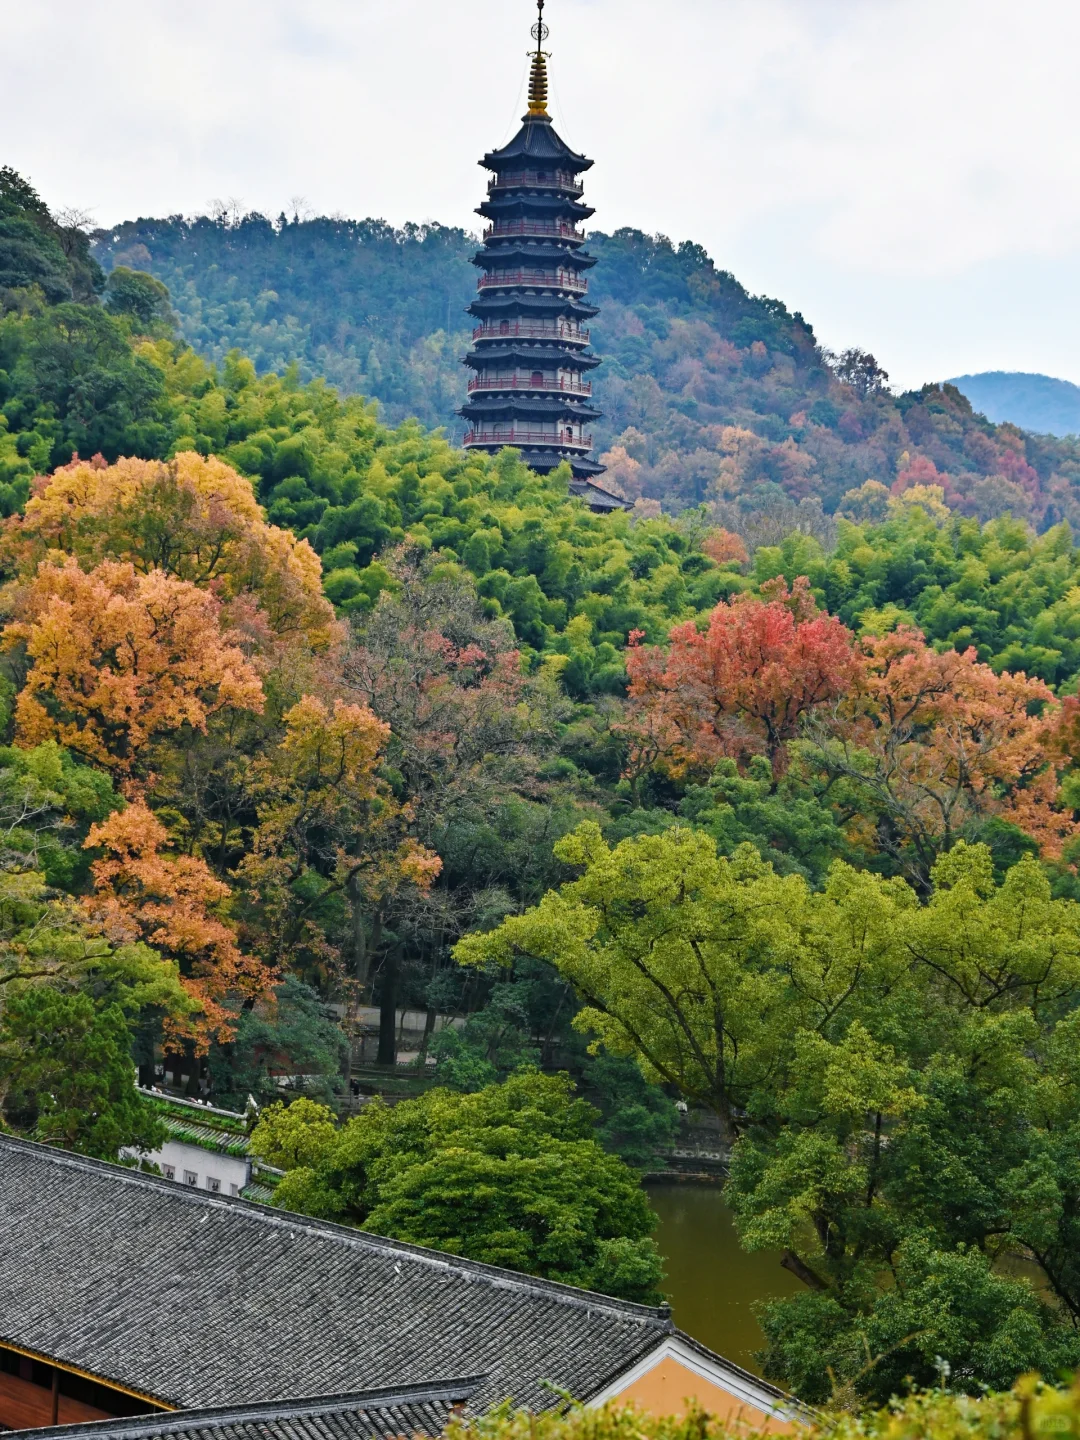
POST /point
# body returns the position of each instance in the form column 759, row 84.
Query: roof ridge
column 385, row 1397
column 495, row 1275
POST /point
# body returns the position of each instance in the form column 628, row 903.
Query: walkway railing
column 525, row 382
column 557, row 279
column 519, row 436
column 513, row 329
column 541, row 228
column 542, row 179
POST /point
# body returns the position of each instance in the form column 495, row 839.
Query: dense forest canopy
column 767, row 804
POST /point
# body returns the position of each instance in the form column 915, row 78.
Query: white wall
column 232, row 1172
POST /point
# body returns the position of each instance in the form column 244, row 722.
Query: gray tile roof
column 366, row 1415
column 203, row 1300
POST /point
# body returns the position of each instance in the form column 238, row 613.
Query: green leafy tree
column 141, row 298
column 685, row 959
column 68, row 1076
column 511, row 1175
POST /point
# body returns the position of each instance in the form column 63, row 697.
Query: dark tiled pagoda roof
column 543, row 307
column 196, row 1300
column 365, row 1415
column 534, row 253
column 503, row 352
column 537, row 140
column 596, row 497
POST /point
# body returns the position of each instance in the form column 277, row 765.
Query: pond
column 711, row 1281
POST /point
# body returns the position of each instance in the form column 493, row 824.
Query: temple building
column 531, row 361
column 135, row 1306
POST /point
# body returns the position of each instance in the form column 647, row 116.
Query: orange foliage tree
column 725, row 547
column 117, row 658
column 935, row 744
column 173, row 903
column 740, row 686
column 193, row 518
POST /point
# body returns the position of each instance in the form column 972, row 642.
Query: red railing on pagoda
column 558, row 279
column 550, row 179
column 557, row 228
column 522, row 382
column 515, row 328
column 519, row 436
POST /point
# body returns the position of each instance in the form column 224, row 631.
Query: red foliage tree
column 742, row 685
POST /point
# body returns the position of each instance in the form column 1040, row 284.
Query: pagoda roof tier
column 499, row 302
column 595, row 496
column 496, row 205
column 531, row 253
column 536, row 143
column 526, row 355
column 482, row 406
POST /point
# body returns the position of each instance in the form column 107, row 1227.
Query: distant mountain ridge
column 1034, row 402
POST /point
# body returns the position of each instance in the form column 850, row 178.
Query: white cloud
column 903, row 171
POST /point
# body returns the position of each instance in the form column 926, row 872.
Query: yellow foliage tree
column 193, row 518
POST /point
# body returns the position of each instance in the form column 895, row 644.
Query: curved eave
column 540, row 354
column 538, row 303
column 538, row 141
column 547, row 407
column 506, row 204
column 545, row 458
column 499, row 251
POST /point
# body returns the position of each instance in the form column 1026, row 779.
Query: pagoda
column 530, row 356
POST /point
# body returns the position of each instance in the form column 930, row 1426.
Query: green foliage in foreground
column 511, row 1175
column 1028, row 1412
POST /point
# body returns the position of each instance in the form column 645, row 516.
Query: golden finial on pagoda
column 538, row 83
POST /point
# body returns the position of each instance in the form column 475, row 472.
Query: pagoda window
column 537, row 378
column 504, row 327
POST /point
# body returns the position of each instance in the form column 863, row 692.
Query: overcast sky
column 904, row 172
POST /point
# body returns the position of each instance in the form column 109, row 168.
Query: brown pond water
column 711, row 1281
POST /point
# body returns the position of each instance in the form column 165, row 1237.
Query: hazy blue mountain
column 1034, row 402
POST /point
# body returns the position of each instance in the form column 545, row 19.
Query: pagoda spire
column 538, row 82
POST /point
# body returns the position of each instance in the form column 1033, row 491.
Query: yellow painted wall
column 666, row 1388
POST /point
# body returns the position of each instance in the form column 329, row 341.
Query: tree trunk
column 388, row 1010
column 429, row 1029
column 360, row 953
column 790, row 1261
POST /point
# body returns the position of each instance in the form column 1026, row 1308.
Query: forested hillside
column 709, row 392
column 767, row 811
